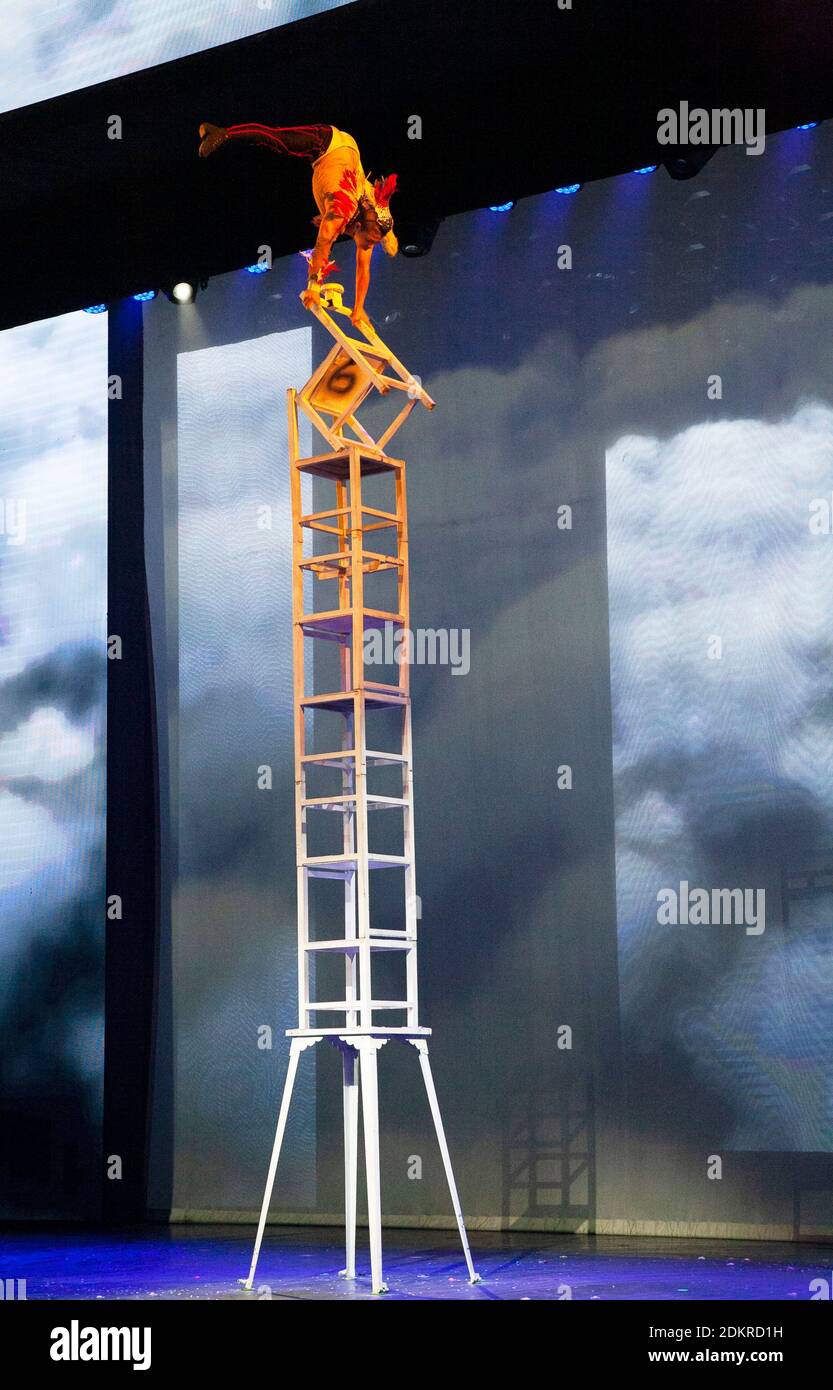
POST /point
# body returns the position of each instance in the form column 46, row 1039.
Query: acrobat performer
column 347, row 200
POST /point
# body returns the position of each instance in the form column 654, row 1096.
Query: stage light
column 418, row 237
column 145, row 295
column 501, row 207
column 810, row 125
column 687, row 165
column 646, row 169
column 568, row 188
column 258, row 269
column 96, row 309
column 185, row 291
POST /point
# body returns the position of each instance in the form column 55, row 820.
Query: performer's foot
column 211, row 138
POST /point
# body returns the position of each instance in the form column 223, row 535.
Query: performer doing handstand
column 347, row 200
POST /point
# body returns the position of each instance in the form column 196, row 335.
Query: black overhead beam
column 515, row 97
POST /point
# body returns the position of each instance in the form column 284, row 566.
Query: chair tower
column 346, row 545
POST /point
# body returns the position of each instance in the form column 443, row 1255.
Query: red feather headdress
column 384, row 189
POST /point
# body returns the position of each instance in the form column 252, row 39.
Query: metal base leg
column 350, row 1063
column 425, row 1067
column 296, row 1048
column 368, row 1048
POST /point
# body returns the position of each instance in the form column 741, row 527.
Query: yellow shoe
column 211, row 138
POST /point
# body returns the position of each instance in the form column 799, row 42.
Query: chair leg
column 425, row 1066
column 368, row 1048
column 296, row 1048
column 350, row 1063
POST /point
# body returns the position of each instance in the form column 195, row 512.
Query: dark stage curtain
column 132, row 791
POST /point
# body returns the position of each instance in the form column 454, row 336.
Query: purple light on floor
column 647, row 169
column 810, row 125
column 568, row 188
column 208, row 1262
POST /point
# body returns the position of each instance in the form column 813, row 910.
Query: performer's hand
column 311, row 297
column 360, row 320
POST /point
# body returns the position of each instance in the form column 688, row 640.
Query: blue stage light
column 96, row 309
column 569, row 188
column 647, row 169
column 501, row 207
column 257, row 269
column 811, row 125
column 145, row 295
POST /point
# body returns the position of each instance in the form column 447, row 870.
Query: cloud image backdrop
column 47, row 50
column 53, row 602
column 721, row 599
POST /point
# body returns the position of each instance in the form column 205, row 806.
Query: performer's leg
column 305, row 141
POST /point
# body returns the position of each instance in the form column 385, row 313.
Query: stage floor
column 205, row 1262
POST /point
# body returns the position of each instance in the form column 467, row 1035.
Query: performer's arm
column 363, row 255
column 332, row 225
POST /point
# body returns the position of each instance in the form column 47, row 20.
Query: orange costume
column 328, row 170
